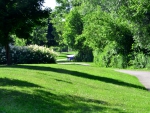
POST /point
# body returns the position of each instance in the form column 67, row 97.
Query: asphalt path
column 143, row 76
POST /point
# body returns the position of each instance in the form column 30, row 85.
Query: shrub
column 110, row 57
column 28, row 55
column 84, row 55
column 119, row 61
column 140, row 60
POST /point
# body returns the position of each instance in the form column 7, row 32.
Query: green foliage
column 84, row 55
column 96, row 28
column 137, row 12
column 58, row 17
column 109, row 36
column 58, row 26
column 118, row 61
column 110, row 57
column 72, row 36
column 51, row 40
column 140, row 60
column 98, row 25
column 18, row 41
column 19, row 17
column 38, row 36
column 73, row 28
column 28, row 55
column 43, row 34
column 101, row 28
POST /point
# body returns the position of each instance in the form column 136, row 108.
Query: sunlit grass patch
column 44, row 88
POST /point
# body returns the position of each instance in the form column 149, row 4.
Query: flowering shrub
column 28, row 55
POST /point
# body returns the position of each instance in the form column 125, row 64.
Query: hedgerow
column 28, row 55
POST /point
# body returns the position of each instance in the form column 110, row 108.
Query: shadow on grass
column 78, row 74
column 63, row 81
column 13, row 82
column 41, row 101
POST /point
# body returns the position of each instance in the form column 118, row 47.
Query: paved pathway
column 143, row 76
column 76, row 63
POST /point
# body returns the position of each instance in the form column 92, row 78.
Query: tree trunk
column 8, row 58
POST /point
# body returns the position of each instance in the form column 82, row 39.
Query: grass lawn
column 53, row 88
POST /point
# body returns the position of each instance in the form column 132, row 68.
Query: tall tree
column 51, row 40
column 19, row 17
column 138, row 11
column 59, row 14
column 73, row 28
column 38, row 35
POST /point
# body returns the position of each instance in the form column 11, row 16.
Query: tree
column 139, row 13
column 19, row 17
column 38, row 36
column 73, row 28
column 103, row 28
column 72, row 36
column 51, row 40
column 58, row 17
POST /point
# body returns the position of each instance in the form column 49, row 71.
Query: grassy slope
column 70, row 89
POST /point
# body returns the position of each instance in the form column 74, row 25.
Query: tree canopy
column 19, row 17
column 117, row 31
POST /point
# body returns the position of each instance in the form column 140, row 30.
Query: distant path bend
column 143, row 76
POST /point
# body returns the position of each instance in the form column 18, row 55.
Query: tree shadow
column 63, row 81
column 78, row 74
column 14, row 82
column 42, row 101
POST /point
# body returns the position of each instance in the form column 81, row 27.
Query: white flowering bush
column 28, row 55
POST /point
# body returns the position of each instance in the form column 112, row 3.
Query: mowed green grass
column 53, row 88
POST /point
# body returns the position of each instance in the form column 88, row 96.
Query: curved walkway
column 84, row 64
column 143, row 76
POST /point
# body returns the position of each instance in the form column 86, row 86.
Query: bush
column 140, row 60
column 110, row 57
column 28, row 55
column 84, row 55
column 2, row 55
